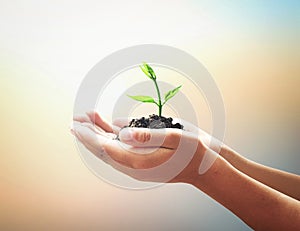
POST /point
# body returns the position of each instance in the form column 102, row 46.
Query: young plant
column 148, row 99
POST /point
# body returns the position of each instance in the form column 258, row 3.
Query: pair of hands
column 173, row 155
column 157, row 155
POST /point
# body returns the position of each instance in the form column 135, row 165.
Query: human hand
column 161, row 155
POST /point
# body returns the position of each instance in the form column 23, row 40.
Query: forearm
column 284, row 182
column 259, row 206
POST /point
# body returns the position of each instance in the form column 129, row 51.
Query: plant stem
column 159, row 98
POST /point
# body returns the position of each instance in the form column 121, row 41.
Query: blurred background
column 46, row 47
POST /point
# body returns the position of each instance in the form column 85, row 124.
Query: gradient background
column 46, row 48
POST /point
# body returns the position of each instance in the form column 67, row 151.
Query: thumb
column 145, row 137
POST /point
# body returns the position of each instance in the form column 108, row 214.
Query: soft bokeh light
column 46, row 48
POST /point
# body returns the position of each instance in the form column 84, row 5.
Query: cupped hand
column 140, row 149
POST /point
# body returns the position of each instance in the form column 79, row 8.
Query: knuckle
column 142, row 137
column 174, row 137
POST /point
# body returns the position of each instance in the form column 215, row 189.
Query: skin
column 264, row 198
column 284, row 182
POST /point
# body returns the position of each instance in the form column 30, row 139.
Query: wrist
column 234, row 158
column 226, row 152
column 205, row 181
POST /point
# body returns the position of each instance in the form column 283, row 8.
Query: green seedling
column 148, row 99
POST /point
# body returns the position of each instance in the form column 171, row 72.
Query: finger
column 134, row 158
column 98, row 130
column 81, row 118
column 93, row 127
column 99, row 121
column 144, row 137
column 205, row 137
column 140, row 162
column 98, row 144
column 97, row 151
column 86, row 135
column 102, row 146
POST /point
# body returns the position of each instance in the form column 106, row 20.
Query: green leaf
column 145, row 70
column 143, row 98
column 171, row 93
column 148, row 71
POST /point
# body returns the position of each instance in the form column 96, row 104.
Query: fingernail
column 125, row 134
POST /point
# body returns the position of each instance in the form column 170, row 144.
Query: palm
column 98, row 136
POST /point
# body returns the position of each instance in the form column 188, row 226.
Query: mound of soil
column 154, row 122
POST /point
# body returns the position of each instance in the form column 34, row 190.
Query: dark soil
column 154, row 122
